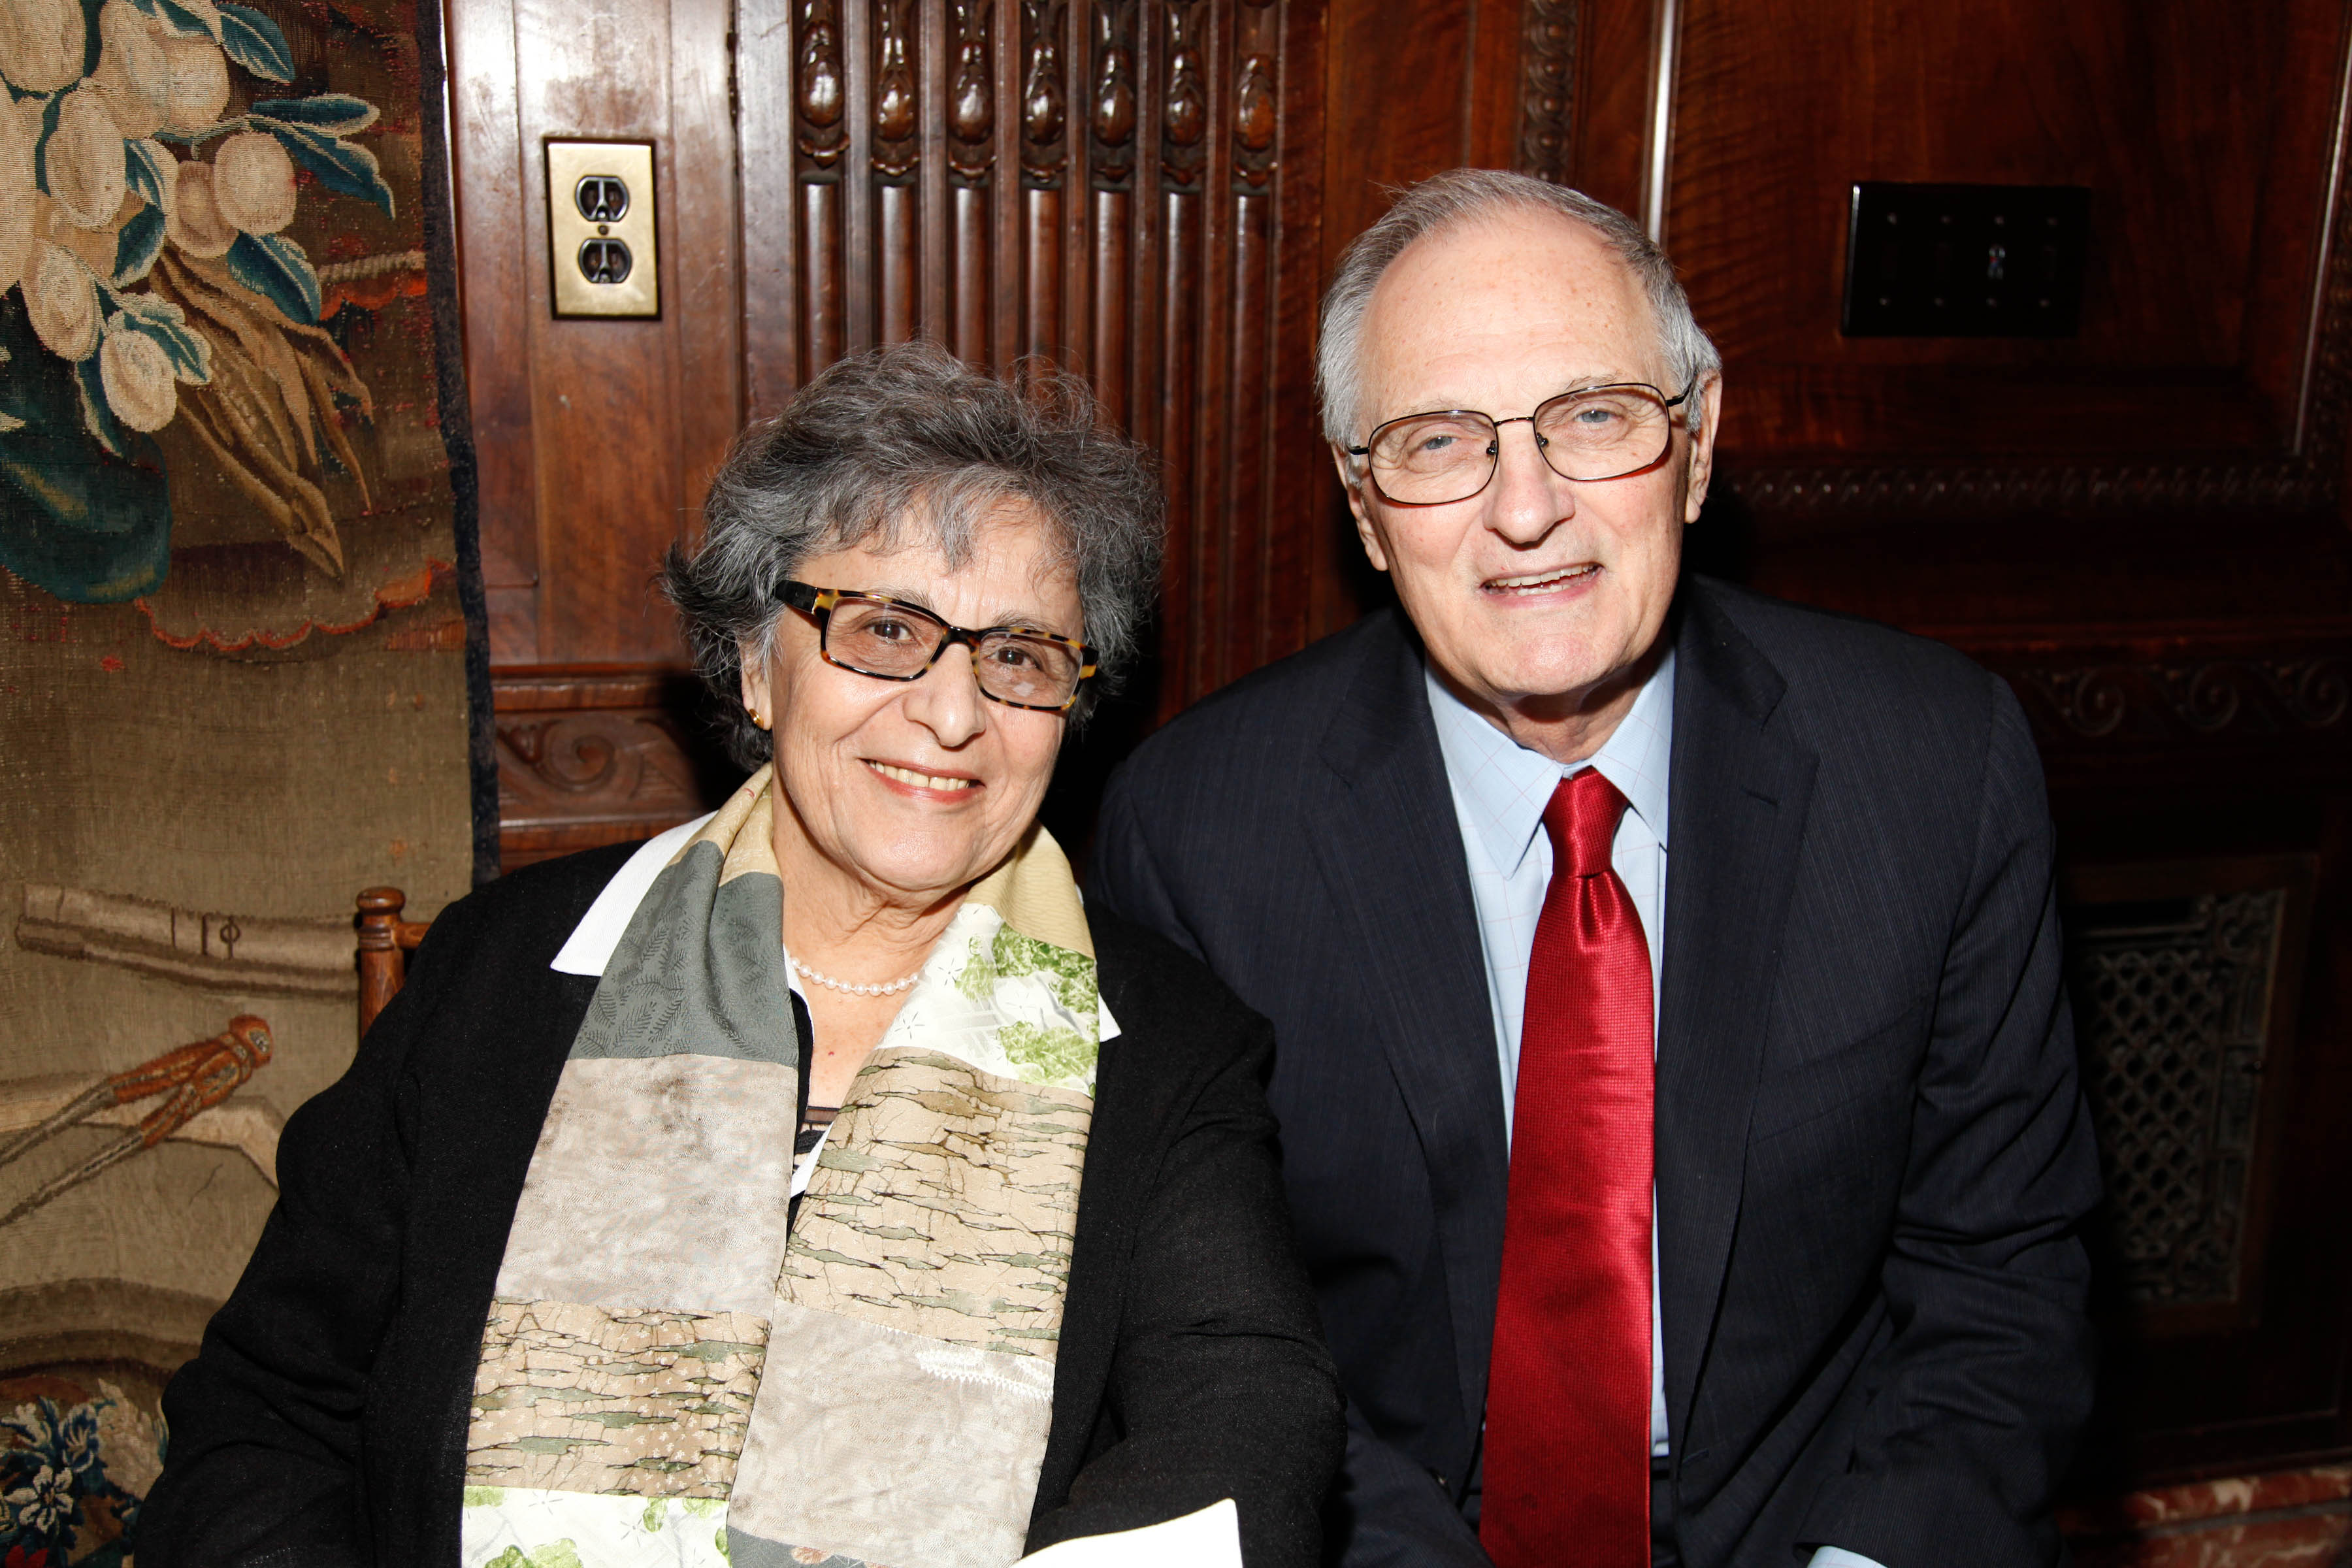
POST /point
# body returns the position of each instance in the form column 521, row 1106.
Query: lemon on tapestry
column 153, row 305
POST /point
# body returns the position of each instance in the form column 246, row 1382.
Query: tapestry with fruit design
column 159, row 173
column 233, row 645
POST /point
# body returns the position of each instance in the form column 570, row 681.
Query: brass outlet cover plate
column 600, row 229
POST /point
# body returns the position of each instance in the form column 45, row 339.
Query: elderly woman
column 553, row 1282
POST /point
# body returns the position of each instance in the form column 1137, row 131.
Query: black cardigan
column 323, row 1422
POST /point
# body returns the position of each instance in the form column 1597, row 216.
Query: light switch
column 600, row 229
column 1965, row 262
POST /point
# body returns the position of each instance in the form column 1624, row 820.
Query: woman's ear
column 757, row 697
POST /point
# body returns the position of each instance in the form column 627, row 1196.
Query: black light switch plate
column 1965, row 262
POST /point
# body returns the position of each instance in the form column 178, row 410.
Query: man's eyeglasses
column 1595, row 433
column 875, row 634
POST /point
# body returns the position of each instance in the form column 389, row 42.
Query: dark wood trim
column 595, row 754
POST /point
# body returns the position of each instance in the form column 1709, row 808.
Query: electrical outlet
column 600, row 229
column 1965, row 262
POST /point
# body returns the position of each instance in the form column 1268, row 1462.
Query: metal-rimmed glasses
column 1592, row 434
column 889, row 640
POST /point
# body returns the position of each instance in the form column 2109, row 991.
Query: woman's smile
column 923, row 785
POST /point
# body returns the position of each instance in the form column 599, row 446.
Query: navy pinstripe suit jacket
column 1871, row 1154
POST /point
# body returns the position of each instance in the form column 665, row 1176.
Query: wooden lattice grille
column 2174, row 997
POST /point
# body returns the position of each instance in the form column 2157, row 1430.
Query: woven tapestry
column 234, row 683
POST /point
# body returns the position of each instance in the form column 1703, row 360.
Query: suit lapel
column 1391, row 850
column 1739, row 794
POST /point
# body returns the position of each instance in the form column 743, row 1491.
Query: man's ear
column 1365, row 530
column 1702, row 454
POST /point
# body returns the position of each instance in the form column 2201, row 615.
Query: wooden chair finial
column 384, row 939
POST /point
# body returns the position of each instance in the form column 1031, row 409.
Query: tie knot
column 1582, row 821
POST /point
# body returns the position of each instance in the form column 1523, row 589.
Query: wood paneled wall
column 597, row 435
column 2141, row 528
column 1127, row 189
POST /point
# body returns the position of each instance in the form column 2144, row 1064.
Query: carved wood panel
column 2185, row 980
column 592, row 756
column 1126, row 188
column 2278, row 696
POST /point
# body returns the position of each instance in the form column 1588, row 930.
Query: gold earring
column 760, row 719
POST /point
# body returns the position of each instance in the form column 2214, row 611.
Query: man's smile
column 1534, row 583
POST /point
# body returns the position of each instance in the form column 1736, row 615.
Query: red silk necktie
column 1567, row 1392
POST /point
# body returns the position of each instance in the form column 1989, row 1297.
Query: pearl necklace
column 892, row 989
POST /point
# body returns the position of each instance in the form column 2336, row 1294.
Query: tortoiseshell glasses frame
column 886, row 638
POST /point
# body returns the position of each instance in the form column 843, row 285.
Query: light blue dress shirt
column 1500, row 789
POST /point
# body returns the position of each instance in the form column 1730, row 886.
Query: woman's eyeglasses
column 875, row 634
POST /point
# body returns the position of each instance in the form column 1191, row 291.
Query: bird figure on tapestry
column 193, row 1079
column 146, row 276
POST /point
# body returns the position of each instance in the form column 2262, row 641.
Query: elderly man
column 1724, row 1218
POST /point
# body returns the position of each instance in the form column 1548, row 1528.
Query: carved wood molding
column 590, row 756
column 2229, row 689
column 1184, row 98
column 1547, row 88
column 2308, row 482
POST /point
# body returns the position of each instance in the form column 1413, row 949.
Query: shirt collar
column 1505, row 787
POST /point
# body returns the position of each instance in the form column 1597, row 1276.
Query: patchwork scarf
column 678, row 1370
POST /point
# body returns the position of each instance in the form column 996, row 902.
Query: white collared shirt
column 1500, row 789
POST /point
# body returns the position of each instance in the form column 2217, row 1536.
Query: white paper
column 1209, row 1538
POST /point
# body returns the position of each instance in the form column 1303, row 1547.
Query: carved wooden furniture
column 385, row 941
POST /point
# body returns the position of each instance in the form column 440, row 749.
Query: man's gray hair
column 906, row 446
column 1452, row 200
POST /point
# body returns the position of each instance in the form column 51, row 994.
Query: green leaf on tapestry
column 336, row 114
column 96, row 416
column 88, row 526
column 275, row 268
column 49, row 112
column 253, row 41
column 338, row 165
column 136, row 248
column 151, row 170
column 92, row 44
column 186, row 20
column 190, row 351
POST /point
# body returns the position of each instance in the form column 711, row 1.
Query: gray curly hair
column 1461, row 196
column 904, row 445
